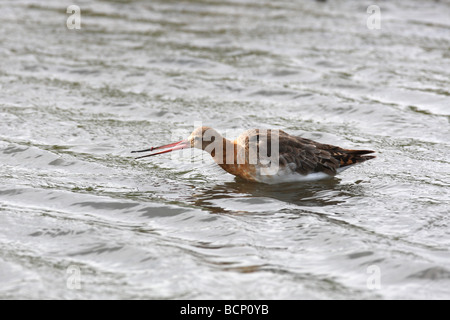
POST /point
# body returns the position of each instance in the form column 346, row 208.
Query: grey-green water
column 74, row 103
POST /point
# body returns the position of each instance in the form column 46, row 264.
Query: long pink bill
column 183, row 144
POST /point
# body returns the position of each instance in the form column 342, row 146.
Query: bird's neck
column 230, row 156
column 223, row 151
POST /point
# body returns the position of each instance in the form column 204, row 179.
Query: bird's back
column 296, row 158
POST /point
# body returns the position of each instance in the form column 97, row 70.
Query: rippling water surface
column 73, row 103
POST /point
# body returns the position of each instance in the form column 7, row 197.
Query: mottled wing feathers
column 307, row 156
column 310, row 156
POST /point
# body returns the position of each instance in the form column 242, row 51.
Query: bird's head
column 201, row 138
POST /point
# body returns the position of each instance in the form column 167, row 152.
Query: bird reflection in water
column 312, row 194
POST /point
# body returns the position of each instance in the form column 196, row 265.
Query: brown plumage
column 251, row 155
column 305, row 156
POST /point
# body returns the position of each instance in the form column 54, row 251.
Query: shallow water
column 76, row 208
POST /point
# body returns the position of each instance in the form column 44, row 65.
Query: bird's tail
column 348, row 157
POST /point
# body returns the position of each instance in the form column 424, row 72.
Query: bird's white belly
column 286, row 174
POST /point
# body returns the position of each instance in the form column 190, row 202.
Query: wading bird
column 269, row 156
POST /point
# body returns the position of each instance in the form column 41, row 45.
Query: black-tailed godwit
column 269, row 156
